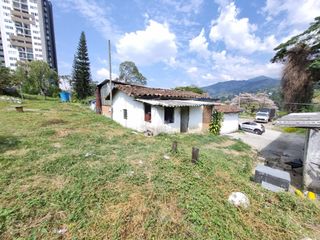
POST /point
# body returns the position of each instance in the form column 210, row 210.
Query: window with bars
column 169, row 115
column 125, row 114
column 147, row 112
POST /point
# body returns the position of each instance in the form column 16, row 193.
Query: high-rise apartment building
column 27, row 32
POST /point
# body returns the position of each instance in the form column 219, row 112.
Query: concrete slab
column 272, row 176
column 272, row 187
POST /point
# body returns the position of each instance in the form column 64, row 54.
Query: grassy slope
column 61, row 166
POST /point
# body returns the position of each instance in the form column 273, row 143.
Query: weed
column 239, row 146
column 294, row 130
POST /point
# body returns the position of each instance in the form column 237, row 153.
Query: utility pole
column 239, row 100
column 110, row 79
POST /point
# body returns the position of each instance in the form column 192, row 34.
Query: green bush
column 215, row 125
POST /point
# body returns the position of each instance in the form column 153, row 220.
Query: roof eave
column 298, row 124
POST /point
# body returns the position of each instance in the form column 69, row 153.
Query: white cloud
column 199, row 45
column 104, row 73
column 222, row 3
column 192, row 5
column 208, row 76
column 297, row 13
column 222, row 66
column 95, row 13
column 154, row 44
column 223, row 72
column 238, row 33
column 192, row 70
column 231, row 67
column 223, row 58
column 185, row 6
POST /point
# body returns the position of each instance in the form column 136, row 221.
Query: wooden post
column 174, row 147
column 195, row 155
column 19, row 108
column 110, row 79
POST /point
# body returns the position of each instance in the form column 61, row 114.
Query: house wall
column 230, row 123
column 106, row 111
column 195, row 119
column 157, row 124
column 206, row 117
column 135, row 111
column 135, row 116
column 311, row 170
column 104, row 91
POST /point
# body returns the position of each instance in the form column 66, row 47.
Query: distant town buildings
column 26, row 32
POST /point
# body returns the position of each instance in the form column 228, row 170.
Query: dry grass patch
column 17, row 152
column 223, row 179
column 130, row 217
column 43, row 182
column 36, row 223
column 114, row 133
column 57, row 145
column 169, row 211
column 224, row 144
column 134, row 217
column 96, row 164
column 63, row 133
column 83, row 130
column 234, row 152
column 53, row 122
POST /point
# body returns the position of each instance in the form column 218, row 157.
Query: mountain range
column 234, row 87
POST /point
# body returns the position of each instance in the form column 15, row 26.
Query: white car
column 262, row 117
column 254, row 127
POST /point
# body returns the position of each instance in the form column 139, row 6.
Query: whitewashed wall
column 135, row 111
column 195, row 119
column 230, row 123
column 104, row 91
column 135, row 116
column 157, row 121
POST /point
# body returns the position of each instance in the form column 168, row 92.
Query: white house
column 230, row 122
column 159, row 110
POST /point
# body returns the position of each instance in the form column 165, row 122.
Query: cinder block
column 272, row 176
column 272, row 187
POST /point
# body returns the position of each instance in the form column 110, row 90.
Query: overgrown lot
column 64, row 168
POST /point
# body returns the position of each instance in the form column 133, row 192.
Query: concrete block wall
column 311, row 171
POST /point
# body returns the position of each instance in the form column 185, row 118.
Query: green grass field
column 64, row 167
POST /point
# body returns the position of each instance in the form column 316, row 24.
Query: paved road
column 277, row 148
column 274, row 144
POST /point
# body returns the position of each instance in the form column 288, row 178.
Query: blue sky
column 180, row 42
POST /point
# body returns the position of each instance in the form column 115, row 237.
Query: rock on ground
column 239, row 199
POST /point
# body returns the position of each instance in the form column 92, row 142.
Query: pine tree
column 81, row 77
